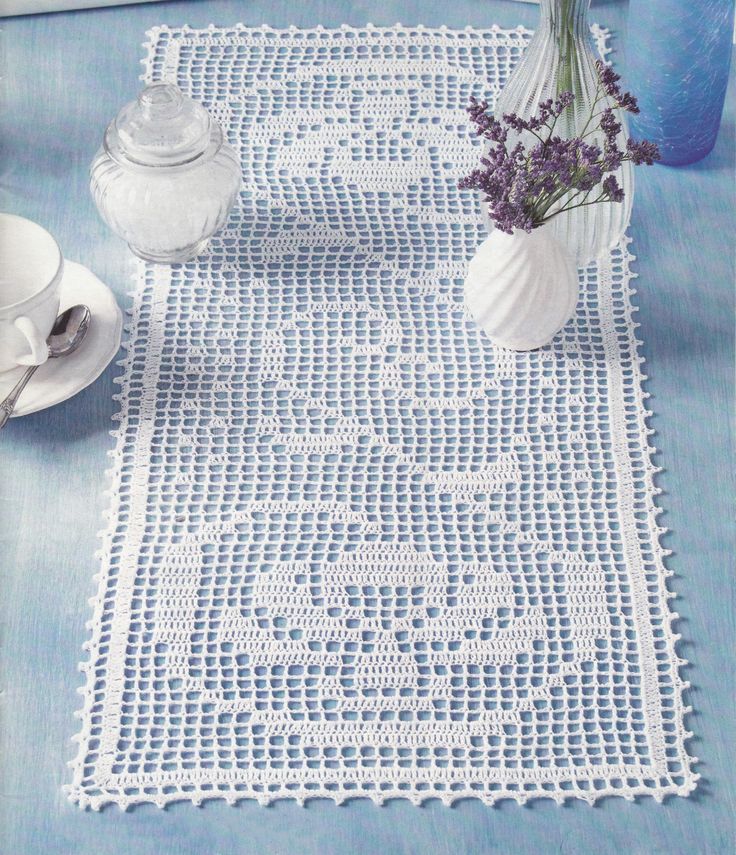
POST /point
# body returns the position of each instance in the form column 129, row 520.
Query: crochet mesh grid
column 352, row 549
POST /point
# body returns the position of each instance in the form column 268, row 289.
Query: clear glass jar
column 164, row 179
column 560, row 58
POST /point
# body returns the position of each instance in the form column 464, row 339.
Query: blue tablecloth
column 67, row 74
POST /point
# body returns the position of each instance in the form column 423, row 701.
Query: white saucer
column 59, row 379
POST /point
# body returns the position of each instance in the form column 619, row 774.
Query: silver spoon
column 65, row 337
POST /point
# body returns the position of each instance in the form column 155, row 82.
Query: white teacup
column 31, row 267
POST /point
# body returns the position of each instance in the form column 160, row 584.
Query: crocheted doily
column 354, row 549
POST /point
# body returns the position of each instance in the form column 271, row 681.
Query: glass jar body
column 560, row 57
column 166, row 214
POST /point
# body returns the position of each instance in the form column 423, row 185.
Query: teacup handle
column 39, row 349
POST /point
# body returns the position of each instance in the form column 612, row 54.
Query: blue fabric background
column 67, row 74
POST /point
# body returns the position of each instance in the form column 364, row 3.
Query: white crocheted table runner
column 353, row 548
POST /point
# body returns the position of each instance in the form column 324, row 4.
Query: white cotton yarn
column 353, row 549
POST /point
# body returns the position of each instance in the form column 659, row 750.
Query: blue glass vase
column 678, row 58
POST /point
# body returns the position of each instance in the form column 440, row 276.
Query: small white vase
column 521, row 289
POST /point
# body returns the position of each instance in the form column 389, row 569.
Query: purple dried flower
column 642, row 152
column 613, row 157
column 546, row 110
column 590, row 178
column 612, row 190
column 609, row 80
column 486, row 125
column 628, row 102
column 525, row 187
column 610, row 127
column 564, row 100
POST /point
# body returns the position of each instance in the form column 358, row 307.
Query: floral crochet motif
column 354, row 550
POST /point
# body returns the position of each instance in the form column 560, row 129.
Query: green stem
column 593, row 114
column 601, row 198
column 567, row 49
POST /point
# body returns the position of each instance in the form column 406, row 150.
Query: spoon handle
column 8, row 404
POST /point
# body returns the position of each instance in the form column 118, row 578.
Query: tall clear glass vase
column 560, row 57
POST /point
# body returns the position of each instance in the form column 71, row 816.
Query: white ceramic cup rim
column 36, row 296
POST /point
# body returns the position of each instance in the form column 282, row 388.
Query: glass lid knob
column 161, row 128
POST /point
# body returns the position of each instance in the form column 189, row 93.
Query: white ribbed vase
column 521, row 289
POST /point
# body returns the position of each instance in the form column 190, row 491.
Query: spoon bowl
column 68, row 331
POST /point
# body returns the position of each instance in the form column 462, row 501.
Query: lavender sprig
column 526, row 186
column 609, row 81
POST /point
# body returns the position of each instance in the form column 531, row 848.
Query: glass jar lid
column 161, row 128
